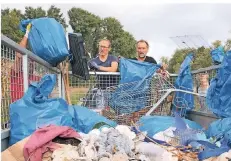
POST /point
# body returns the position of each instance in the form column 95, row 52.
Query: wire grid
column 12, row 87
column 86, row 93
column 126, row 104
column 7, row 86
column 190, row 42
column 200, row 102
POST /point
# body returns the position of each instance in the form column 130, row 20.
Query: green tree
column 124, row 45
column 93, row 28
column 55, row 12
column 164, row 59
column 202, row 59
column 10, row 24
column 88, row 25
column 31, row 12
column 5, row 11
column 111, row 28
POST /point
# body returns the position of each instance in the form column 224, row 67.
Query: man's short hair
column 144, row 41
column 105, row 39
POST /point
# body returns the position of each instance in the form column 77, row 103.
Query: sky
column 159, row 23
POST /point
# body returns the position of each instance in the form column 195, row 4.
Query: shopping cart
column 128, row 102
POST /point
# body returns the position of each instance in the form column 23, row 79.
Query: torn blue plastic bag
column 47, row 39
column 35, row 110
column 155, row 124
column 217, row 55
column 134, row 86
column 86, row 120
column 220, row 129
column 218, row 96
column 184, row 81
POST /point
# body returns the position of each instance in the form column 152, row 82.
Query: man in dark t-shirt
column 142, row 48
column 104, row 62
column 148, row 59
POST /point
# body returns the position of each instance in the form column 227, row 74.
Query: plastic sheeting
column 47, row 39
column 217, row 55
column 85, row 120
column 219, row 96
column 133, row 70
column 220, row 129
column 134, row 86
column 184, row 81
column 35, row 110
column 155, row 124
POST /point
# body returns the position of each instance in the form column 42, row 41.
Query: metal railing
column 16, row 76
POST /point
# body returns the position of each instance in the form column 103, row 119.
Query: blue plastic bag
column 221, row 127
column 217, row 55
column 155, row 124
column 133, row 70
column 132, row 93
column 85, row 119
column 184, row 81
column 219, row 96
column 47, row 39
column 35, row 110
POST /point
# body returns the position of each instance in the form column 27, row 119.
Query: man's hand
column 94, row 65
column 28, row 28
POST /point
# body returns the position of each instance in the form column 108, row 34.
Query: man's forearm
column 108, row 69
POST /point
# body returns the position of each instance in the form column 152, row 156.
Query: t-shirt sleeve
column 152, row 60
column 114, row 59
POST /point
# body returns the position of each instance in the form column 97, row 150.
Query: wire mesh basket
column 129, row 101
column 126, row 103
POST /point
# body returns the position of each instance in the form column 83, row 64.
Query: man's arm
column 113, row 68
column 18, row 56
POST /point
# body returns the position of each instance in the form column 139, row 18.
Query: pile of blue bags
column 36, row 110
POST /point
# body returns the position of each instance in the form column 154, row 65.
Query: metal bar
column 206, row 69
column 60, row 84
column 25, row 72
column 13, row 45
column 168, row 92
column 159, row 102
column 100, row 73
column 179, row 90
column 63, row 88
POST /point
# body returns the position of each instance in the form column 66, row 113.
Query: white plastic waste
column 67, row 152
column 125, row 130
column 154, row 152
column 165, row 135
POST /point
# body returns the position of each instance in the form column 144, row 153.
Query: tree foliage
column 55, row 13
column 11, row 19
column 10, row 23
column 94, row 28
column 202, row 57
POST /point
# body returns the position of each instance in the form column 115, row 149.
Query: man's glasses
column 100, row 46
